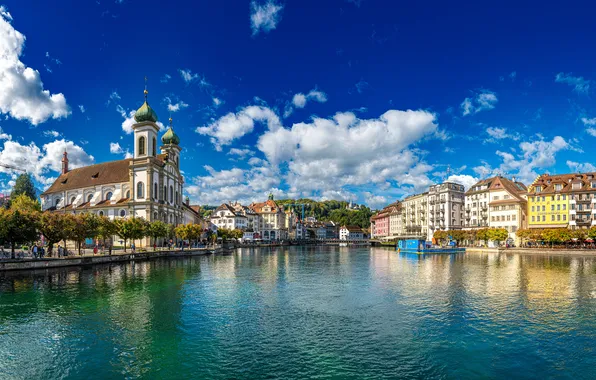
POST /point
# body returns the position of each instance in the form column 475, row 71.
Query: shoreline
column 534, row 251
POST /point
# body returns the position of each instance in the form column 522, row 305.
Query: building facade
column 272, row 219
column 226, row 216
column 351, row 233
column 445, row 207
column 414, row 215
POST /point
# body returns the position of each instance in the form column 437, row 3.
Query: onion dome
column 145, row 112
column 170, row 137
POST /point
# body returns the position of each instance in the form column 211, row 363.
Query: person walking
column 132, row 247
column 35, row 250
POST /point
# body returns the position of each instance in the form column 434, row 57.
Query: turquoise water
column 327, row 313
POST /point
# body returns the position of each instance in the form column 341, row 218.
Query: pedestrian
column 35, row 249
column 95, row 250
column 59, row 251
column 132, row 247
column 42, row 252
column 154, row 246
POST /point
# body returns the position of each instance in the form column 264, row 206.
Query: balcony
column 443, row 200
column 583, row 222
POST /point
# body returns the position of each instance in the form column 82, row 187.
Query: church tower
column 170, row 146
column 145, row 131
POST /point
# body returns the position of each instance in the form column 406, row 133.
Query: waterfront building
column 496, row 202
column 445, row 207
column 226, row 216
column 252, row 218
column 414, row 215
column 380, row 223
column 351, row 233
column 566, row 200
column 272, row 219
column 149, row 185
column 396, row 225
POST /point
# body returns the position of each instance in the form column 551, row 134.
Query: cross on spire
column 145, row 92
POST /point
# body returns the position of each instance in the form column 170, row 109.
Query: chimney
column 64, row 163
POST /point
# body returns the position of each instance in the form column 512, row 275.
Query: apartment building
column 445, row 207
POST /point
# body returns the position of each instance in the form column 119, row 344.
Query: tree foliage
column 331, row 210
column 130, row 229
column 18, row 227
column 22, row 202
column 55, row 227
column 188, row 231
column 24, row 185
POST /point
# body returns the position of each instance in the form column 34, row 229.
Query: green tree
column 17, row 227
column 157, row 229
column 24, row 185
column 483, row 235
column 22, row 202
column 130, row 229
column 106, row 229
column 86, row 226
column 498, row 235
column 55, row 227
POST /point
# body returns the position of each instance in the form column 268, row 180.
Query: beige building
column 445, row 207
column 272, row 221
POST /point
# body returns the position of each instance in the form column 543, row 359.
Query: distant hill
column 332, row 210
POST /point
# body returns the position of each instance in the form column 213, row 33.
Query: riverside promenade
column 90, row 259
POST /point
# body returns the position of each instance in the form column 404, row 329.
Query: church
column 148, row 186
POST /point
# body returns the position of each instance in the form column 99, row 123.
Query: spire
column 145, row 112
column 170, row 137
column 64, row 162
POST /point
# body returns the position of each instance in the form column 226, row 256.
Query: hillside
column 331, row 210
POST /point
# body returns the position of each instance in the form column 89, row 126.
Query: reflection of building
column 148, row 185
column 566, row 200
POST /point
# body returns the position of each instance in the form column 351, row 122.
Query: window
column 140, row 190
column 564, row 197
column 552, row 198
column 532, row 218
column 552, row 218
column 564, row 217
column 72, row 200
column 513, row 228
column 513, row 217
column 558, row 187
column 154, row 149
column 532, row 208
column 141, row 146
column 576, row 186
column 532, row 199
column 171, row 194
column 558, row 197
column 122, row 213
column 508, row 218
column 89, row 197
column 108, row 196
column 100, row 213
column 564, row 207
column 544, row 218
column 552, row 207
column 492, row 218
column 165, row 193
column 543, row 208
column 128, row 194
column 496, row 198
column 543, row 199
column 155, row 216
column 558, row 218
column 155, row 190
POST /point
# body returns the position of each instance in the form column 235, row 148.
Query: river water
column 296, row 313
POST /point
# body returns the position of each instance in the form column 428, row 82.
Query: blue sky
column 358, row 100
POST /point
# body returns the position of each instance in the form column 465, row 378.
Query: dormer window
column 558, row 187
column 576, row 186
column 95, row 175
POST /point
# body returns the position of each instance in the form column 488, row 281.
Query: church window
column 141, row 146
column 123, row 213
column 56, row 202
column 154, row 149
column 171, row 194
column 101, row 213
column 176, row 197
column 155, row 190
column 128, row 194
column 72, row 200
column 165, row 193
column 140, row 190
column 89, row 197
column 155, row 216
column 108, row 196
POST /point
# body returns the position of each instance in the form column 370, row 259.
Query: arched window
column 155, row 190
column 140, row 190
column 176, row 197
column 141, row 146
column 72, row 200
column 171, row 193
column 128, row 194
column 155, row 216
column 56, row 202
column 101, row 213
column 108, row 196
column 154, row 148
column 171, row 218
column 123, row 213
column 89, row 197
column 165, row 193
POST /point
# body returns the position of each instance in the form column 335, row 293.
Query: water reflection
column 302, row 311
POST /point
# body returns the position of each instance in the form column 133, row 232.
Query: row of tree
column 23, row 223
column 556, row 235
column 485, row 235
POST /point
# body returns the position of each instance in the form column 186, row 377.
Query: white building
column 351, row 233
column 149, row 185
column 272, row 219
column 445, row 207
column 225, row 216
column 414, row 215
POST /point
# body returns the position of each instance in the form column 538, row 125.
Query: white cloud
column 53, row 134
column 497, row 133
column 579, row 84
column 115, row 148
column 166, row 78
column 589, row 122
column 177, row 107
column 23, row 96
column 241, row 153
column 187, row 75
column 114, row 98
column 375, row 201
column 484, row 100
column 127, row 155
column 581, row 168
column 4, row 135
column 41, row 162
column 591, row 131
column 235, row 125
column 217, row 102
column 264, row 17
column 82, row 108
column 463, row 179
column 299, row 100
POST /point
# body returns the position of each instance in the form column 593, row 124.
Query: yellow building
column 549, row 202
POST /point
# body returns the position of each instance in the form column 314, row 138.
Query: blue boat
column 420, row 246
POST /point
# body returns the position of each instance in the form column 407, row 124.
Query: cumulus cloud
column 41, row 162
column 463, row 179
column 481, row 101
column 177, row 106
column 497, row 133
column 23, row 96
column 264, row 17
column 581, row 168
column 300, row 100
column 115, row 148
column 579, row 84
column 241, row 153
column 53, row 134
column 235, row 125
column 217, row 102
column 4, row 135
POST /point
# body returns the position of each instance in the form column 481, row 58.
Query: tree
column 592, row 233
column 440, row 236
column 189, row 231
column 130, row 229
column 55, row 227
column 483, row 235
column 106, row 229
column 24, row 185
column 17, row 227
column 86, row 226
column 157, row 229
column 22, row 202
column 498, row 234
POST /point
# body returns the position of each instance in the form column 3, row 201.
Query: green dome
column 145, row 113
column 170, row 137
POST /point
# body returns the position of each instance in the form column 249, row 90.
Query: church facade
column 149, row 185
